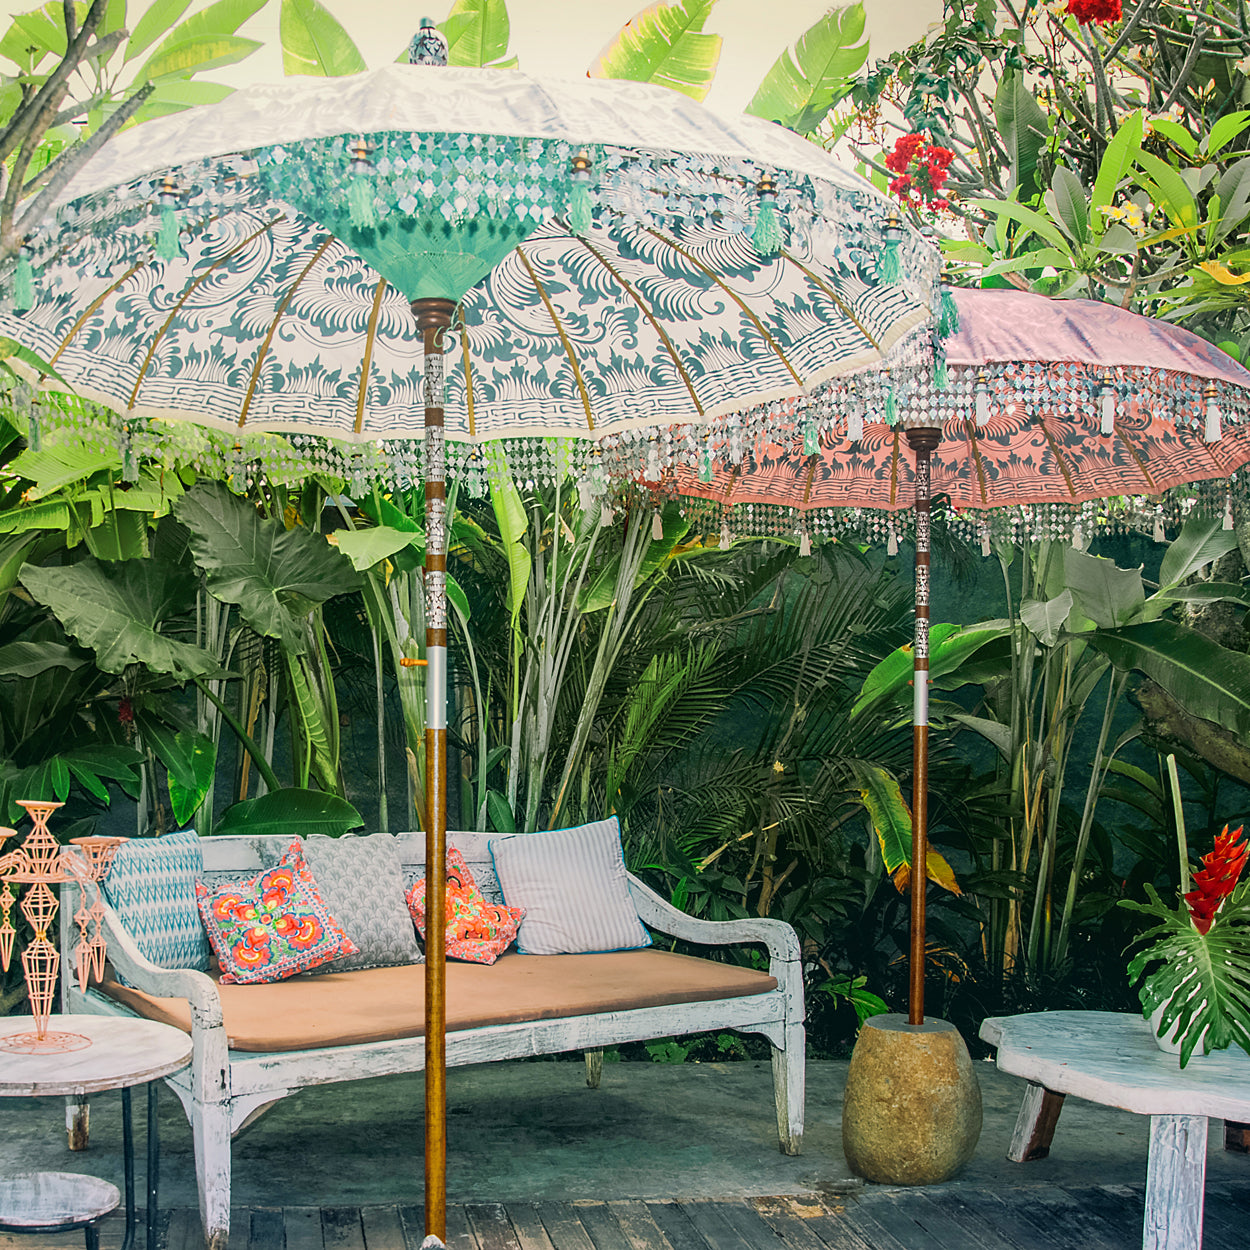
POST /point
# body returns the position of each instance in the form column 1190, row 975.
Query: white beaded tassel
column 983, row 399
column 805, row 544
column 657, row 526
column 1228, row 510
column 1211, row 430
column 986, row 549
column 1106, row 407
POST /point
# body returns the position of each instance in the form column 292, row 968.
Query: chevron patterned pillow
column 151, row 886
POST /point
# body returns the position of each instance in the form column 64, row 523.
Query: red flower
column 1086, row 11
column 278, row 885
column 900, row 186
column 1217, row 878
column 126, row 712
column 921, row 168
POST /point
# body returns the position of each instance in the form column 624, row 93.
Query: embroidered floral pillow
column 477, row 931
column 273, row 926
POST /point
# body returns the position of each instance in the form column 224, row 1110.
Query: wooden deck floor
column 1106, row 1217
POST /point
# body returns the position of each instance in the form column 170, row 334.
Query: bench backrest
column 229, row 857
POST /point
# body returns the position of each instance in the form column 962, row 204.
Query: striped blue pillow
column 573, row 886
column 151, row 886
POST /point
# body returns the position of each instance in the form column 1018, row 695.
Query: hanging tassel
column 1106, row 408
column 805, row 544
column 657, row 526
column 360, row 189
column 891, row 546
column 811, row 444
column 941, row 379
column 1228, row 510
column 948, row 313
column 1078, row 538
column 168, row 246
column 985, row 541
column 889, row 269
column 23, row 282
column 725, row 537
column 767, row 234
column 579, row 194
column 605, row 514
column 891, row 407
column 1211, row 432
column 705, row 466
column 1158, row 535
column 855, row 426
column 983, row 399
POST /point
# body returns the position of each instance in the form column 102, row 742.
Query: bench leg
column 789, row 1086
column 78, row 1121
column 1237, row 1136
column 1175, row 1180
column 594, row 1067
column 210, row 1131
column 1035, row 1125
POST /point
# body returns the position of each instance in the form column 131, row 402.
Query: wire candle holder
column 39, row 863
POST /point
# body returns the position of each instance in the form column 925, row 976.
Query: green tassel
column 579, row 207
column 940, row 378
column 888, row 269
column 167, row 245
column 948, row 313
column 811, row 444
column 23, row 285
column 767, row 236
column 705, row 467
column 360, row 203
column 891, row 407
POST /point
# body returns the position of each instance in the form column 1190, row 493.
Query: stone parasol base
column 912, row 1111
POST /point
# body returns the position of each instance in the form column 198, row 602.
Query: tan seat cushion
column 380, row 1004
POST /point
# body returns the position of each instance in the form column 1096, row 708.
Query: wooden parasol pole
column 433, row 317
column 922, row 441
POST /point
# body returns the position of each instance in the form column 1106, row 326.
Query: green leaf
column 366, row 548
column 288, row 812
column 477, row 33
column 219, row 21
column 1116, row 162
column 804, row 84
column 1023, row 262
column 188, row 56
column 275, row 576
column 25, row 659
column 11, row 349
column 1207, row 680
column 1177, row 134
column 1066, row 201
column 664, row 44
column 1102, row 591
column 54, row 467
column 159, row 16
column 123, row 535
column 1202, row 541
column 43, row 31
column 887, row 809
column 1032, row 221
column 1174, row 195
column 1205, row 592
column 500, row 813
column 117, row 610
column 200, row 753
column 994, row 732
column 1024, row 128
column 1044, row 618
column 510, row 517
column 1225, row 130
column 314, row 43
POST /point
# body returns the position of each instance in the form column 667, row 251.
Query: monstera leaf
column 118, row 611
column 274, row 576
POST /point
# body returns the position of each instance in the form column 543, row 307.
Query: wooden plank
column 303, row 1228
column 341, row 1228
column 742, row 1217
column 781, row 1215
column 601, row 1223
column 183, row 1231
column 412, row 1221
column 240, row 1227
column 491, row 1226
column 830, row 1223
column 459, row 1230
column 949, row 1229
column 1000, row 1215
column 1056, row 1211
column 563, row 1227
column 641, row 1231
column 676, row 1227
column 382, row 1228
column 267, row 1230
column 1035, row 1125
column 880, row 1221
column 528, row 1226
column 710, row 1223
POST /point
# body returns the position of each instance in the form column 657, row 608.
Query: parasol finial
column 428, row 46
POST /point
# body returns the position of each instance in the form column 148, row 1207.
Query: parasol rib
column 650, row 316
column 367, row 360
column 94, row 307
column 468, row 372
column 273, row 326
column 737, row 299
column 564, row 338
column 1137, row 457
column 734, row 474
column 812, row 461
column 843, row 307
column 1059, row 456
column 182, row 299
column 894, row 462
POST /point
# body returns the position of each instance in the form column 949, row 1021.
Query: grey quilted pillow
column 362, row 882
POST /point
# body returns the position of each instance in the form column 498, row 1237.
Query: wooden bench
column 593, row 1001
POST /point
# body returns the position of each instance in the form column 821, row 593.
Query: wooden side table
column 95, row 1053
column 1111, row 1058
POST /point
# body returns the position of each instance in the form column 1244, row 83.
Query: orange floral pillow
column 273, row 926
column 477, row 931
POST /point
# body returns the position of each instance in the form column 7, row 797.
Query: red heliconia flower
column 126, row 712
column 1217, row 878
column 1086, row 11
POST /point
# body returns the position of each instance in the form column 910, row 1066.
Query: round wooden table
column 87, row 1055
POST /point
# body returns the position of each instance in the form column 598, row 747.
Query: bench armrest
column 785, row 957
